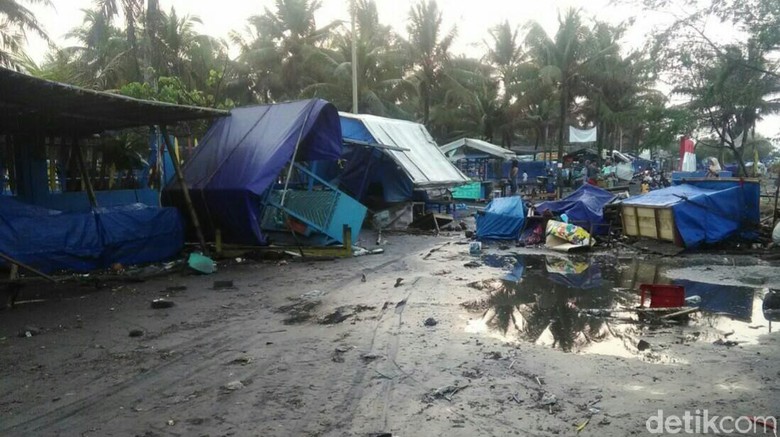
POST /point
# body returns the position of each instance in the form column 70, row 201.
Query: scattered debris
column 363, row 277
column 233, row 385
column 693, row 300
column 221, row 285
column 548, row 400
column 136, row 333
column 398, row 282
column 430, row 321
column 472, row 264
column 443, row 393
column 161, row 304
column 370, row 357
column 299, row 312
column 515, row 397
column 336, row 317
column 475, row 248
column 494, row 355
column 240, row 361
column 171, row 422
column 314, row 294
column 29, row 331
column 642, row 345
column 474, row 373
column 582, row 426
column 469, row 234
column 727, row 343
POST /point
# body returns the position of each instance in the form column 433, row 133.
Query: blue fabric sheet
column 51, row 240
column 585, row 207
column 708, row 212
column 503, row 219
column 241, row 157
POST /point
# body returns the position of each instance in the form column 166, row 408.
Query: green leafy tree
column 15, row 21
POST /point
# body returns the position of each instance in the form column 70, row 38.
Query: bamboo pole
column 84, row 173
column 185, row 191
column 15, row 262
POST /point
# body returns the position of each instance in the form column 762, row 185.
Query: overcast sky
column 472, row 18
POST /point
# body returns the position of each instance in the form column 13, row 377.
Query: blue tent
column 708, row 212
column 241, row 157
column 585, row 207
column 502, row 219
column 52, row 240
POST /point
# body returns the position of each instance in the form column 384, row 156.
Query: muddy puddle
column 588, row 305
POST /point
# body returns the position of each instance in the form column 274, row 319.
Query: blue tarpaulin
column 735, row 301
column 585, row 207
column 51, row 240
column 241, row 157
column 708, row 212
column 503, row 219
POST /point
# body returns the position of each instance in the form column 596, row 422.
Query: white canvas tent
column 413, row 148
column 456, row 149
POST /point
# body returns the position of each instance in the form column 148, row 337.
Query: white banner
column 582, row 136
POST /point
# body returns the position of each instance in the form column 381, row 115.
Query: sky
column 472, row 18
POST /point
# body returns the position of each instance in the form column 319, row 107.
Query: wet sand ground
column 529, row 343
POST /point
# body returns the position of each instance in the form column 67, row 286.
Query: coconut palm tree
column 282, row 43
column 563, row 58
column 381, row 63
column 429, row 48
column 15, row 21
column 132, row 11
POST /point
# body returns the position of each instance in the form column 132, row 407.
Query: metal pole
column 353, row 8
column 185, row 191
column 294, row 157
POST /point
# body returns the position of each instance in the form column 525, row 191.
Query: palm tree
column 429, row 49
column 290, row 37
column 381, row 63
column 16, row 20
column 132, row 11
column 563, row 59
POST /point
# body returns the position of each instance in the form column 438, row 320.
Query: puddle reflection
column 586, row 305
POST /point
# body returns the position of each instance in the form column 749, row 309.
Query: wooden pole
column 26, row 267
column 84, row 173
column 185, row 191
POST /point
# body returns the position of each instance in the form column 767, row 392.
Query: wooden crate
column 650, row 222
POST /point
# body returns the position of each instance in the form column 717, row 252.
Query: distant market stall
column 485, row 163
column 255, row 173
column 56, row 215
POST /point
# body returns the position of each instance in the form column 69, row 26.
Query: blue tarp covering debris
column 51, row 240
column 503, row 219
column 708, row 212
column 585, row 207
column 241, row 157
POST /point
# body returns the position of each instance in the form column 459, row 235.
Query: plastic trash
column 201, row 263
column 693, row 300
column 475, row 248
column 776, row 234
column 564, row 218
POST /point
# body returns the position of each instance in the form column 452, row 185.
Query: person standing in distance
column 513, row 176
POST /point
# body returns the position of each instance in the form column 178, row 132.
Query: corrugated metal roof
column 475, row 144
column 33, row 105
column 423, row 161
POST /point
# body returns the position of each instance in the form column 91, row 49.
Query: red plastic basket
column 663, row 296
